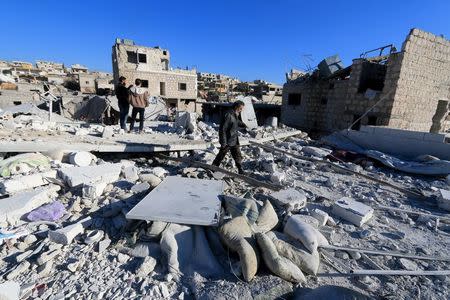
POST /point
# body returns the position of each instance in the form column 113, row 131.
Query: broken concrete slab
column 140, row 187
column 26, row 182
column 181, row 200
column 248, row 114
column 93, row 190
column 352, row 211
column 290, row 199
column 443, row 199
column 65, row 235
column 104, row 173
column 14, row 207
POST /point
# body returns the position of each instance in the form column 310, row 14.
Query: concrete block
column 105, row 173
column 65, row 235
column 320, row 215
column 14, row 207
column 108, row 132
column 17, row 184
column 140, row 187
column 278, row 177
column 352, row 211
column 130, row 173
column 444, row 199
column 290, row 199
column 81, row 158
column 93, row 190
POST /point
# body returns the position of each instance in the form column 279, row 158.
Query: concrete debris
column 20, row 183
column 14, row 207
column 443, row 199
column 152, row 227
column 81, row 158
column 65, row 235
column 292, row 200
column 352, row 211
column 105, row 173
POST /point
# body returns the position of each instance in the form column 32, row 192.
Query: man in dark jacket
column 228, row 136
column 122, row 93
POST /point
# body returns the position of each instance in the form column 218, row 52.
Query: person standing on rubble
column 138, row 98
column 228, row 136
column 122, row 93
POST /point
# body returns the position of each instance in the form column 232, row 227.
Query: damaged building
column 151, row 64
column 407, row 89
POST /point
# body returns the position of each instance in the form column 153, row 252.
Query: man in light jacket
column 228, row 136
column 138, row 98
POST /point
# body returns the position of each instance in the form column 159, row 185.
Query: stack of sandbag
column 287, row 255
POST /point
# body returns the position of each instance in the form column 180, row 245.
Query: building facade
column 407, row 89
column 152, row 66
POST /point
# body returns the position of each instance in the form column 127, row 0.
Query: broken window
column 182, row 86
column 132, row 57
column 324, row 100
column 294, row 99
column 372, row 77
column 142, row 58
column 144, row 83
column 162, row 88
column 331, row 85
column 164, row 52
column 87, row 82
column 372, row 120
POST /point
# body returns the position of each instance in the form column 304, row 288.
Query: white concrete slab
column 104, row 173
column 353, row 211
column 181, row 200
column 13, row 208
column 20, row 183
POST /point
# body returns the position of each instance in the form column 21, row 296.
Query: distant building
column 77, row 69
column 216, row 87
column 87, row 83
column 50, row 68
column 262, row 90
column 151, row 65
column 408, row 89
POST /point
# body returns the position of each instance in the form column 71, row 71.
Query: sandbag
column 173, row 237
column 267, row 218
column 237, row 207
column 237, row 235
column 295, row 252
column 279, row 265
column 310, row 237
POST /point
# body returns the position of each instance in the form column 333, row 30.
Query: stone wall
column 424, row 80
column 402, row 93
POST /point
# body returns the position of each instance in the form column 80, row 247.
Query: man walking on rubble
column 122, row 97
column 228, row 136
column 138, row 98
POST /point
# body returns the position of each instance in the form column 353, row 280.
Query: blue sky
column 246, row 39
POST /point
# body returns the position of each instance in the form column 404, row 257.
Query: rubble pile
column 67, row 229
